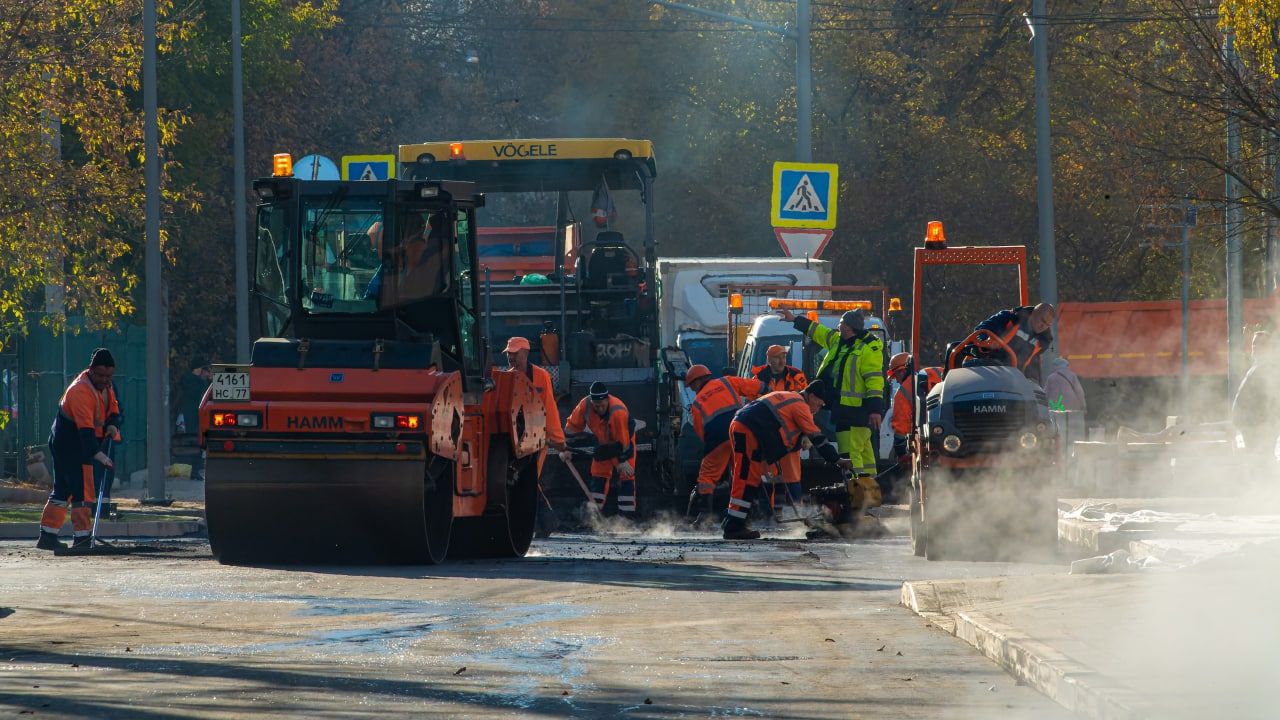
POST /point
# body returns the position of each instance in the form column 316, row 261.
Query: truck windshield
column 340, row 253
column 707, row 351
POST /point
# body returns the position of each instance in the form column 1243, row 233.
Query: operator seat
column 606, row 261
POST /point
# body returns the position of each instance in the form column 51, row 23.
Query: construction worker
column 88, row 413
column 1255, row 404
column 911, row 386
column 517, row 352
column 777, row 375
column 717, row 399
column 1027, row 331
column 762, row 433
column 609, row 420
column 853, row 372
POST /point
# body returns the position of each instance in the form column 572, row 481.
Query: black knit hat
column 816, row 387
column 598, row 391
column 102, row 358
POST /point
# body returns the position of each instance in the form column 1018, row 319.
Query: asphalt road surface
column 644, row 625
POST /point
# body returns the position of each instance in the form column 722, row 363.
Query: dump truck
column 369, row 425
column 983, row 443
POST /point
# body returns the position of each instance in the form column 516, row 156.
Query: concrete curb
column 1063, row 680
column 1094, row 538
column 154, row 528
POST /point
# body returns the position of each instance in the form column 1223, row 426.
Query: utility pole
column 804, row 70
column 157, row 353
column 1044, row 156
column 241, row 245
column 1233, row 218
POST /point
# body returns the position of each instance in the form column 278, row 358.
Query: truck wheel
column 919, row 531
column 942, row 514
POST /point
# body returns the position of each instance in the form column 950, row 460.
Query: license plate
column 231, row 386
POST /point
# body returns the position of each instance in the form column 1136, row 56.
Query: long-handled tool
column 102, row 488
column 797, row 516
column 573, row 470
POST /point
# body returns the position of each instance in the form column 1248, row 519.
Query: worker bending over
column 610, row 422
column 1028, row 331
column 87, row 414
column 716, row 401
column 853, row 372
column 777, row 375
column 762, row 433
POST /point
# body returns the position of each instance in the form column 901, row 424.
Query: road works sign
column 368, row 167
column 804, row 195
column 802, row 242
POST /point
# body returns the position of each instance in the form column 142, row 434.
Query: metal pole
column 1044, row 159
column 1234, row 221
column 1186, row 311
column 157, row 371
column 241, row 244
column 804, row 85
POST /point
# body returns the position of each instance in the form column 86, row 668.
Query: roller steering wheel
column 982, row 340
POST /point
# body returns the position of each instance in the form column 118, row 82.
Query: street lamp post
column 157, row 352
column 241, row 243
column 1044, row 156
column 804, row 80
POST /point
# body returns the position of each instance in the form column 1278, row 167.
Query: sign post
column 803, row 210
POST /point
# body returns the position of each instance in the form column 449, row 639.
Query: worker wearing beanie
column 761, row 434
column 609, row 420
column 854, row 372
column 88, row 413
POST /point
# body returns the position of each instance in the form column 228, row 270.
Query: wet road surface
column 649, row 625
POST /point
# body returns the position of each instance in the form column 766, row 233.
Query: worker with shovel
column 762, row 433
column 517, row 352
column 609, row 421
column 88, row 414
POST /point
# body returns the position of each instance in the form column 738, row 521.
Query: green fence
column 34, row 370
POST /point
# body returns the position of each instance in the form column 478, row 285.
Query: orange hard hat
column 695, row 373
column 898, row 362
column 516, row 344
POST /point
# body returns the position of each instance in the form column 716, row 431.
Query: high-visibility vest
column 856, row 370
column 713, row 408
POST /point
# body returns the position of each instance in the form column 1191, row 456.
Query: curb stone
column 1052, row 673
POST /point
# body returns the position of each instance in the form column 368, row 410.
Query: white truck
column 693, row 298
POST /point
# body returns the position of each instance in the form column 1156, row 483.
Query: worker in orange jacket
column 911, row 385
column 777, row 375
column 517, row 352
column 762, row 433
column 88, row 413
column 609, row 420
column 717, row 399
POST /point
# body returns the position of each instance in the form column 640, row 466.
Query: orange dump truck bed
column 1144, row 339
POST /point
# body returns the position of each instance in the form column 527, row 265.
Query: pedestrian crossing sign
column 804, row 195
column 368, row 167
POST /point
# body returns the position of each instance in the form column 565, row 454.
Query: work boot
column 49, row 541
column 82, row 542
column 741, row 533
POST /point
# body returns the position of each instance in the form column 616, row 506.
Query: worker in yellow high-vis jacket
column 853, row 371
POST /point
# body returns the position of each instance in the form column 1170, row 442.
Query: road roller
column 368, row 426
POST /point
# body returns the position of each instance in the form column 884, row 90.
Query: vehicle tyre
column 919, row 531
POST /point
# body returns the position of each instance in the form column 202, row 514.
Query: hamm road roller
column 368, row 426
